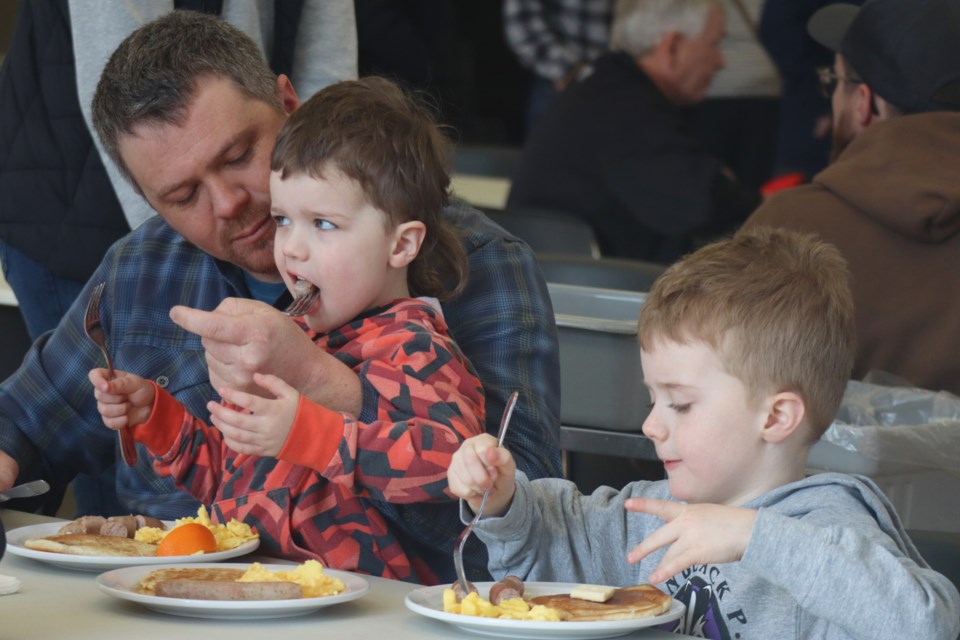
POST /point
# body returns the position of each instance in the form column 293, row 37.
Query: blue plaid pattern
column 48, row 418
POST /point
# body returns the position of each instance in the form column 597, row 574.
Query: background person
column 746, row 347
column 614, row 147
column 890, row 200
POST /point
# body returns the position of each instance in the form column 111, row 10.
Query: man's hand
column 479, row 465
column 262, row 425
column 696, row 533
column 243, row 337
column 124, row 401
column 9, row 470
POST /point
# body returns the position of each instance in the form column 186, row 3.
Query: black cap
column 907, row 51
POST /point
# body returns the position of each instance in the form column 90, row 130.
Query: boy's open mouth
column 302, row 288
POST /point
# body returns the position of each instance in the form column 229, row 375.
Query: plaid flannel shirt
column 49, row 421
column 550, row 37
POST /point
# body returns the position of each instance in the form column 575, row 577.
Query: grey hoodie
column 828, row 558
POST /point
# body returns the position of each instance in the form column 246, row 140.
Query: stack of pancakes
column 92, row 544
column 641, row 601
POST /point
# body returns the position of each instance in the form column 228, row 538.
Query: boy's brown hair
column 776, row 307
column 375, row 133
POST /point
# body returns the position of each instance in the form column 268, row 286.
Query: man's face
column 209, row 177
column 699, row 59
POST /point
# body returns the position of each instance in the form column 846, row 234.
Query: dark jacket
column 614, row 150
column 56, row 202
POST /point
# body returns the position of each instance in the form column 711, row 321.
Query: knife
column 25, row 490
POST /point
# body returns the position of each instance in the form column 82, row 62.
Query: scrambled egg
column 308, row 575
column 511, row 609
column 228, row 536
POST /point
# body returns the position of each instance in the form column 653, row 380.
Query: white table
column 56, row 603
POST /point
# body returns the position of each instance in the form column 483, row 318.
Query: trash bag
column 901, row 425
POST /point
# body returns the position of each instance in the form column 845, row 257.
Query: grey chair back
column 548, row 231
column 605, row 273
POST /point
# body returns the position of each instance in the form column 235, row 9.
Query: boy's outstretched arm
column 479, row 465
column 695, row 533
column 124, row 401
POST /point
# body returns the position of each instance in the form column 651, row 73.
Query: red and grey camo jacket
column 318, row 498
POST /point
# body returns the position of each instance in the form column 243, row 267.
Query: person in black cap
column 890, row 199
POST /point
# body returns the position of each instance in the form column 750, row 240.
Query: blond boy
column 746, row 348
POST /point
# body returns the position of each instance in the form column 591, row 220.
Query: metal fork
column 94, row 329
column 302, row 303
column 461, row 541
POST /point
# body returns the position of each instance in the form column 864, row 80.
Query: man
column 613, row 148
column 890, row 199
column 188, row 110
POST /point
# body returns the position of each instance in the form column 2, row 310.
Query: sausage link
column 458, row 591
column 121, row 526
column 217, row 590
column 83, row 524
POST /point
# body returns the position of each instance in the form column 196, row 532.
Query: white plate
column 17, row 537
column 122, row 583
column 428, row 601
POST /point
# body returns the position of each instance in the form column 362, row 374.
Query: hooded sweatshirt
column 891, row 204
column 827, row 558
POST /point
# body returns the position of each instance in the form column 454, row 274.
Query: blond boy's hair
column 776, row 307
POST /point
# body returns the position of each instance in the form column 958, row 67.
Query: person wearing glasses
column 890, row 198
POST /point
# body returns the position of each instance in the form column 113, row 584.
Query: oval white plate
column 122, row 583
column 16, row 538
column 428, row 601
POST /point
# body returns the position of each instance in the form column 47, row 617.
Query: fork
column 302, row 303
column 462, row 540
column 94, row 329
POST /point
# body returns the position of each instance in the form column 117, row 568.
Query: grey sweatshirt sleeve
column 851, row 577
column 326, row 50
column 554, row 533
column 98, row 27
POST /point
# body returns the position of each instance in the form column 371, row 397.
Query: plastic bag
column 902, row 425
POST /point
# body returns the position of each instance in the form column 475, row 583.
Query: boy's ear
column 785, row 415
column 408, row 237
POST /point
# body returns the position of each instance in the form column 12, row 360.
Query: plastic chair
column 548, row 231
column 478, row 160
column 606, row 273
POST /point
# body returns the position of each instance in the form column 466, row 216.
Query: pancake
column 149, row 582
column 641, row 601
column 92, row 544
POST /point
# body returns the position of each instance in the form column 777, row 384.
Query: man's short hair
column 776, row 307
column 155, row 71
column 389, row 143
column 906, row 51
column 638, row 25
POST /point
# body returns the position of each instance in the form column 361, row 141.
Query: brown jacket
column 891, row 204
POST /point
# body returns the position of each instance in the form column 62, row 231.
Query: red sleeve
column 185, row 448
